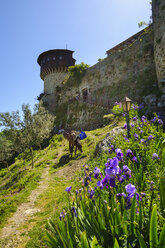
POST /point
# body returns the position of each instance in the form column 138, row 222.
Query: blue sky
column 30, row 27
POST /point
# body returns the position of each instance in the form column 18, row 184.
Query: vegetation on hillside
column 120, row 200
column 24, row 134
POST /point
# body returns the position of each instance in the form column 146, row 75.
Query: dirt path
column 11, row 235
column 24, row 212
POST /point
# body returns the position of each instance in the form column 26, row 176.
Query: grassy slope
column 18, row 184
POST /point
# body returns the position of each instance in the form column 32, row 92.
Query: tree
column 5, row 151
column 37, row 126
column 28, row 133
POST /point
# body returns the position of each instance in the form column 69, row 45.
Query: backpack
column 82, row 135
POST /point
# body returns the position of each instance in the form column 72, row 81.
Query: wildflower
column 160, row 122
column 134, row 118
column 68, row 189
column 121, row 178
column 143, row 118
column 104, row 181
column 121, row 194
column 130, row 188
column 143, row 194
column 100, row 185
column 119, row 154
column 134, row 106
column 86, row 180
column 127, row 171
column 62, row 214
column 153, row 120
column 141, row 106
column 150, row 137
column 132, row 125
column 73, row 210
column 136, row 136
column 155, row 156
column 129, row 153
column 112, row 149
column 152, row 183
column 142, row 141
column 134, row 159
column 125, row 126
column 112, row 182
column 91, row 193
column 96, row 172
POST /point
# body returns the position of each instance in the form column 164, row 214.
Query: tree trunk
column 31, row 151
column 7, row 166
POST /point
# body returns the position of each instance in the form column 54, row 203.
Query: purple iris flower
column 132, row 125
column 150, row 137
column 91, row 193
column 130, row 188
column 112, row 172
column 141, row 106
column 119, row 154
column 68, row 189
column 121, row 194
column 86, row 180
column 142, row 141
column 136, row 136
column 160, row 122
column 134, row 106
column 112, row 147
column 100, row 185
column 143, row 194
column 127, row 171
column 134, row 159
column 112, row 182
column 129, row 153
column 74, row 213
column 141, row 131
column 143, row 118
column 105, row 180
column 96, row 172
column 62, row 214
column 125, row 168
column 155, row 156
column 134, row 118
column 121, row 178
column 125, row 126
column 153, row 120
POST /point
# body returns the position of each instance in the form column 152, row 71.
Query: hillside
column 28, row 197
column 111, row 195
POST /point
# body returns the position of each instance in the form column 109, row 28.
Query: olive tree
column 30, row 130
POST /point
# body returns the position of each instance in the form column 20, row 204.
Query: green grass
column 16, row 186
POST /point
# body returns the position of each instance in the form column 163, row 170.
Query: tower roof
column 55, row 60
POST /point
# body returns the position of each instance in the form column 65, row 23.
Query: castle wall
column 130, row 72
column 158, row 7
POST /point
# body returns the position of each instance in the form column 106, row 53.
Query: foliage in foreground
column 121, row 199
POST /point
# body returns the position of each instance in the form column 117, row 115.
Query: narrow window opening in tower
column 60, row 57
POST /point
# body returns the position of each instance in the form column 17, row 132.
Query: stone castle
column 134, row 68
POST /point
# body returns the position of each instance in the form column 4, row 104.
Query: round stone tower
column 53, row 70
column 158, row 14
